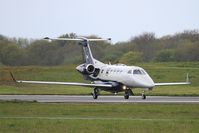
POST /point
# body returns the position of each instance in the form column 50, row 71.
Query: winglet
column 187, row 78
column 13, row 78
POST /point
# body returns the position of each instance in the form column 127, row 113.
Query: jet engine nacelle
column 90, row 69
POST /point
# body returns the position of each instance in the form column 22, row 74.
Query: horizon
column 157, row 37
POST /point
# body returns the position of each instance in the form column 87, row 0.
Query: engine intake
column 90, row 69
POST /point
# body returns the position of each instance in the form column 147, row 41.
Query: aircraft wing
column 66, row 83
column 170, row 84
column 63, row 83
column 187, row 82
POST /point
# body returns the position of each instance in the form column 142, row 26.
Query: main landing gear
column 95, row 93
column 127, row 93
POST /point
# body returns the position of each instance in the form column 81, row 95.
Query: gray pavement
column 101, row 99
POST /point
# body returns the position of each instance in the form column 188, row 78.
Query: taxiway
column 101, row 99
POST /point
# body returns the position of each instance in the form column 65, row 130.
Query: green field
column 30, row 117
column 160, row 72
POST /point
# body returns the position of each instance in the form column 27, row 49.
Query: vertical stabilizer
column 88, row 57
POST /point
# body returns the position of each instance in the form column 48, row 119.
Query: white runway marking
column 101, row 99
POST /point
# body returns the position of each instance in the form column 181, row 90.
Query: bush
column 131, row 58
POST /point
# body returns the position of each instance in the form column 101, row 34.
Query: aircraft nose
column 147, row 82
column 150, row 83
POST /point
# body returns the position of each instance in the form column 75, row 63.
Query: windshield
column 139, row 71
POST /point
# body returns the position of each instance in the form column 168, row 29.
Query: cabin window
column 107, row 71
column 102, row 71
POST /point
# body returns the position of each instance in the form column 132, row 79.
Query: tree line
column 146, row 47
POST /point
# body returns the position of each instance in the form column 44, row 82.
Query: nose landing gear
column 143, row 95
column 126, row 95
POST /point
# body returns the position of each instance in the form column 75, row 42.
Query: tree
column 166, row 55
column 188, row 51
column 145, row 47
column 44, row 53
column 11, row 55
column 131, row 58
column 145, row 44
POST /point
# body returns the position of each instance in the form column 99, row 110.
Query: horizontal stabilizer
column 76, row 39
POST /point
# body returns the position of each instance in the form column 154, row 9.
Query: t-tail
column 88, row 57
column 91, row 68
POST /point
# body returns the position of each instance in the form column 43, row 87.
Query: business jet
column 112, row 78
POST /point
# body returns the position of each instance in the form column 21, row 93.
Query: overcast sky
column 118, row 19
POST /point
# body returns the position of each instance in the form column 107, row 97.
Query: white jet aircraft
column 112, row 78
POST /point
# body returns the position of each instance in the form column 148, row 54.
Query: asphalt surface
column 101, row 99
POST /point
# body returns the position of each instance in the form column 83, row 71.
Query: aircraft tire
column 95, row 96
column 126, row 96
column 95, row 93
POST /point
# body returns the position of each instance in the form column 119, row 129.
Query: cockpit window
column 138, row 71
column 143, row 72
column 129, row 72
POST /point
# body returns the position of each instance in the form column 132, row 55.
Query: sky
column 117, row 19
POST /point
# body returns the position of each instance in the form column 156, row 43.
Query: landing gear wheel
column 95, row 96
column 126, row 95
column 143, row 95
column 95, row 93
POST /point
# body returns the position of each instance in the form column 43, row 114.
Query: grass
column 69, row 117
column 160, row 72
column 97, row 126
column 31, row 117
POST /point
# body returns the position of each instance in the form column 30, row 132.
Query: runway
column 101, row 99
